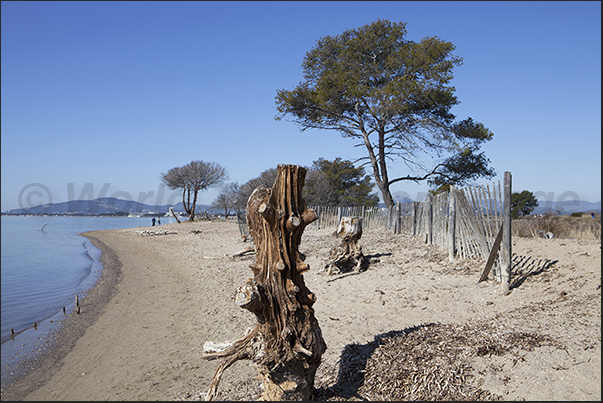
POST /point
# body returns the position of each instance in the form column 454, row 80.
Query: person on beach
column 158, row 220
column 153, row 221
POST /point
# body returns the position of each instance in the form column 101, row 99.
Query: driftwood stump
column 348, row 256
column 286, row 345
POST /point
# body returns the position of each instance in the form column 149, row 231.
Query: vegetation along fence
column 471, row 223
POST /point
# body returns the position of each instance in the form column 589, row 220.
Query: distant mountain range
column 564, row 207
column 567, row 207
column 112, row 205
column 103, row 206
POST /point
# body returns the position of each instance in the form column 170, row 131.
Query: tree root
column 239, row 350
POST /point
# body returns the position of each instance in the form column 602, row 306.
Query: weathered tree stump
column 348, row 256
column 286, row 345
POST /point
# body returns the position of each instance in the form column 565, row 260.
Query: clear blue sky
column 117, row 93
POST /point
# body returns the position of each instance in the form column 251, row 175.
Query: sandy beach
column 141, row 330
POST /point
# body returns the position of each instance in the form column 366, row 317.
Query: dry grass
column 583, row 227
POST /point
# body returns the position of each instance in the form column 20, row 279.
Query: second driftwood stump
column 348, row 256
column 286, row 345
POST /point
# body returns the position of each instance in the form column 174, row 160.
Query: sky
column 98, row 99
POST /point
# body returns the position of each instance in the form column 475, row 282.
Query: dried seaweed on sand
column 428, row 362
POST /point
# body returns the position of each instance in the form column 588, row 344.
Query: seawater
column 44, row 264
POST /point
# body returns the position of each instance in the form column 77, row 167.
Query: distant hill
column 112, row 205
column 567, row 207
column 564, row 207
column 402, row 199
column 102, row 206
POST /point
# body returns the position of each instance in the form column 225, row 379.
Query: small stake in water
column 77, row 304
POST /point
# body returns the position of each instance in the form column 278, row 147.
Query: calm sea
column 44, row 264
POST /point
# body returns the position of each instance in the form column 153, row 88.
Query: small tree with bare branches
column 227, row 199
column 191, row 178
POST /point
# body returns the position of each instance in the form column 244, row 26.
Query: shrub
column 561, row 226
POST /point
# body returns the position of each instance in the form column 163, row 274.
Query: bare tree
column 227, row 199
column 191, row 178
column 265, row 179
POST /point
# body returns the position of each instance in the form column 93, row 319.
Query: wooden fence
column 471, row 223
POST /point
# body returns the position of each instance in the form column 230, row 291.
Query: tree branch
column 417, row 179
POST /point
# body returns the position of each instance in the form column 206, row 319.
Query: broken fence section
column 468, row 222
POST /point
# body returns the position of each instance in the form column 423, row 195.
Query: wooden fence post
column 429, row 220
column 451, row 223
column 415, row 206
column 398, row 224
column 506, row 241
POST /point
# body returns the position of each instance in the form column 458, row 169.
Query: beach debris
column 545, row 234
column 248, row 249
column 174, row 214
column 427, row 362
column 286, row 345
column 157, row 232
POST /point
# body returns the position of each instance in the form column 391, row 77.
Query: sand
column 141, row 330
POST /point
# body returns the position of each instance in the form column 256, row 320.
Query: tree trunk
column 379, row 168
column 386, row 194
column 187, row 204
column 194, row 206
column 286, row 345
column 348, row 256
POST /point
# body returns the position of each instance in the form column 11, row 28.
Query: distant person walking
column 153, row 221
column 158, row 221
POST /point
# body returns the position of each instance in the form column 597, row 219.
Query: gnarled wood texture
column 348, row 256
column 286, row 345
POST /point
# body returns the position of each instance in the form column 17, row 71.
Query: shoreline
column 61, row 340
column 140, row 334
column 160, row 298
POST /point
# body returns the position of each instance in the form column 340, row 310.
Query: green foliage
column 393, row 96
column 338, row 183
column 461, row 168
column 328, row 183
column 576, row 214
column 522, row 204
